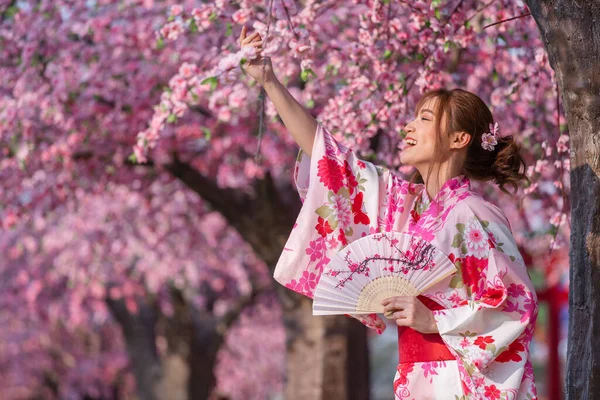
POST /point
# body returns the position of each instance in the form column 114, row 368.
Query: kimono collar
column 457, row 183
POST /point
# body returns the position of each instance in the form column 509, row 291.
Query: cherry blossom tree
column 151, row 259
column 361, row 67
column 127, row 126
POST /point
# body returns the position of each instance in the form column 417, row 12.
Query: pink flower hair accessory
column 489, row 140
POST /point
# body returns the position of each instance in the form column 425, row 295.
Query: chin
column 405, row 161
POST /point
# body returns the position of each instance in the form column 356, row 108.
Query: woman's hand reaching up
column 260, row 68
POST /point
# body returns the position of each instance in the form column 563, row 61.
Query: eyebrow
column 427, row 110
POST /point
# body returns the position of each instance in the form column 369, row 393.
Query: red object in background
column 555, row 297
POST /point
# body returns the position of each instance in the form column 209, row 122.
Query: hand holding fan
column 376, row 267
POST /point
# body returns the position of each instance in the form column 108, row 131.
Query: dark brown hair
column 466, row 112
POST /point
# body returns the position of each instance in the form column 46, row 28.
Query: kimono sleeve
column 341, row 198
column 494, row 324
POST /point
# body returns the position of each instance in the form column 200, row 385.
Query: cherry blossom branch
column 480, row 10
column 506, row 20
column 404, row 84
column 266, row 208
column 234, row 312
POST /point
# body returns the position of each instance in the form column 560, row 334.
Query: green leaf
column 349, row 231
column 333, row 223
column 212, row 81
column 160, row 43
column 229, row 31
column 11, row 11
column 456, row 282
column 458, row 240
column 388, row 53
column 324, row 211
column 461, row 228
column 192, row 25
column 491, row 347
column 330, row 195
column 438, row 15
column 463, row 248
column 132, row 158
column 305, row 74
column 207, row 133
column 310, row 103
column 171, row 118
column 332, row 69
column 344, row 192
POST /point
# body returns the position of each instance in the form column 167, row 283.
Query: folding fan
column 376, row 267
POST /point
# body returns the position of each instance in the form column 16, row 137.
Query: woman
column 468, row 336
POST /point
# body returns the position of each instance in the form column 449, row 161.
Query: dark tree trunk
column 194, row 338
column 327, row 358
column 140, row 339
column 571, row 33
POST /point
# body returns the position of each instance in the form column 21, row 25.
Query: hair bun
column 509, row 168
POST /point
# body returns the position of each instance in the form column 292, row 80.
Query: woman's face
column 419, row 144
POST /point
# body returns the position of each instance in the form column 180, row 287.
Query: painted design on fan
column 419, row 256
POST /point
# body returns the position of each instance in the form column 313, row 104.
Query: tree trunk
column 572, row 39
column 194, row 338
column 140, row 339
column 327, row 357
column 187, row 370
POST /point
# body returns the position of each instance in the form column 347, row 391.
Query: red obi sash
column 414, row 346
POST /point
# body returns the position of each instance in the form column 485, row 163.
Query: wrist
column 433, row 324
column 271, row 84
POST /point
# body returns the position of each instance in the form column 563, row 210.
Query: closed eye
column 425, row 119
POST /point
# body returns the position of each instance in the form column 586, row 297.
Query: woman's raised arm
column 295, row 117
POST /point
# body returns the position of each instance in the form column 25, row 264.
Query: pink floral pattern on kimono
column 489, row 304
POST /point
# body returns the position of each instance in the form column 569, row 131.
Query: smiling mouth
column 411, row 142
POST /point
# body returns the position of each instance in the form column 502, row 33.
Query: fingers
column 250, row 38
column 406, row 317
column 406, row 321
column 391, row 299
column 255, row 44
column 242, row 34
column 398, row 303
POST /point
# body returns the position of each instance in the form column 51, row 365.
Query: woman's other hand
column 260, row 69
column 409, row 311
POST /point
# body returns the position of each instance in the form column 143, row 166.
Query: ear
column 460, row 140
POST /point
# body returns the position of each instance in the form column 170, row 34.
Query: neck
column 436, row 180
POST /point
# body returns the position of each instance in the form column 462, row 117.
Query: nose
column 409, row 128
